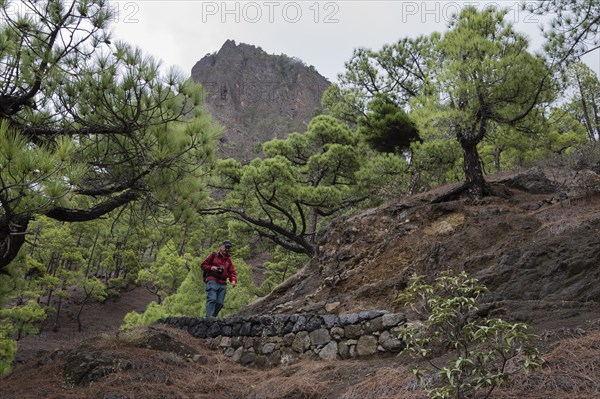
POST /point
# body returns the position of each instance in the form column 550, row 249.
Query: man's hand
column 233, row 284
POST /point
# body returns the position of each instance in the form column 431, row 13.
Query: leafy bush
column 586, row 156
column 479, row 354
column 8, row 347
column 15, row 323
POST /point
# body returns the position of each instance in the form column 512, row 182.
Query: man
column 217, row 268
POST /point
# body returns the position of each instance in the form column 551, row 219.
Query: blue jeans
column 215, row 298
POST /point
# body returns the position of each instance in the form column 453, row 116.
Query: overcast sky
column 320, row 33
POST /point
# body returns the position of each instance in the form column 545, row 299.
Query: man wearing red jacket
column 217, row 268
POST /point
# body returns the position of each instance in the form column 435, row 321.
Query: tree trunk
column 79, row 326
column 476, row 184
column 415, row 181
column 35, row 240
column 587, row 121
column 149, row 254
column 586, row 114
column 596, row 121
column 91, row 258
column 49, row 298
column 184, row 239
column 68, row 264
column 56, row 323
column 497, row 153
column 12, row 238
column 50, row 268
column 312, row 225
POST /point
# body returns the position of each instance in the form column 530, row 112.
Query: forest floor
column 540, row 260
column 146, row 370
column 96, row 318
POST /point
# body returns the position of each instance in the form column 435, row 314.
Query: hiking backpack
column 206, row 273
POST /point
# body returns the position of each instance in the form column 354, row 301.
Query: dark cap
column 227, row 243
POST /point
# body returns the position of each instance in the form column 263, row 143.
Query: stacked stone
column 283, row 339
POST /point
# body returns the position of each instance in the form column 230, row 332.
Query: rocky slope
column 537, row 254
column 257, row 96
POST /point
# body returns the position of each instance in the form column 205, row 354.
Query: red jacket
column 218, row 260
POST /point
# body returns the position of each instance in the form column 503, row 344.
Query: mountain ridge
column 257, row 96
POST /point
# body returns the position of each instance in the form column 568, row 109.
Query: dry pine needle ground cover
column 571, row 371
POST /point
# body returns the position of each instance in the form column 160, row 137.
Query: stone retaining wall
column 283, row 339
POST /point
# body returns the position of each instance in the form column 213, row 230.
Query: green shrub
column 478, row 354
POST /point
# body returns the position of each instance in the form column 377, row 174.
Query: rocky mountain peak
column 257, row 96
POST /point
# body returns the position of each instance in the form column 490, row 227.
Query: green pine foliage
column 384, row 176
column 189, row 299
column 163, row 276
column 302, row 181
column 386, row 127
column 283, row 265
column 15, row 323
column 88, row 126
column 8, row 346
column 23, row 318
column 90, row 131
column 244, row 292
column 476, row 84
column 486, row 80
column 583, row 106
column 34, row 178
column 573, row 30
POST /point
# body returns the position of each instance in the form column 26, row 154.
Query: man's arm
column 232, row 275
column 207, row 265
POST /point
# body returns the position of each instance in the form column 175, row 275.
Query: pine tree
column 88, row 126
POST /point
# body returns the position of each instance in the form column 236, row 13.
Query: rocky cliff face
column 257, row 96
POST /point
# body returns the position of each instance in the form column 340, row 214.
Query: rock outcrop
column 257, row 96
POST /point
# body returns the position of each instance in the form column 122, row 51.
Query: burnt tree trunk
column 13, row 228
column 312, row 225
column 12, row 238
column 475, row 182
